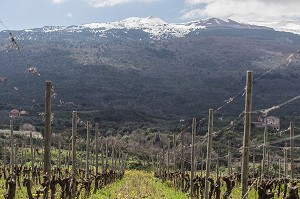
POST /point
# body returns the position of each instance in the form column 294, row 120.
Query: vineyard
column 81, row 161
column 43, row 175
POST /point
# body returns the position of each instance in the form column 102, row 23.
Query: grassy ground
column 139, row 184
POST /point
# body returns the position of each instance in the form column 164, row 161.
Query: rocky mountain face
column 152, row 67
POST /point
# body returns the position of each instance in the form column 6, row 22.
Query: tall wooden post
column 119, row 158
column 279, row 169
column 87, row 160
column 292, row 145
column 4, row 155
column 263, row 168
column 163, row 165
column 106, row 155
column 112, row 155
column 247, row 129
column 229, row 159
column 69, row 155
column 174, row 152
column 182, row 160
column 12, row 163
column 32, row 154
column 159, row 165
column 253, row 162
column 285, row 161
column 193, row 157
column 102, row 155
column 218, row 162
column 168, row 160
column 268, row 163
column 16, row 154
column 22, row 154
column 152, row 161
column 74, row 135
column 59, row 152
column 47, row 138
column 209, row 149
column 96, row 146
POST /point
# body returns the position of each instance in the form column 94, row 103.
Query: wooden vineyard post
column 209, row 149
column 263, row 166
column 4, row 155
column 247, row 129
column 253, row 162
column 229, row 159
column 59, row 152
column 202, row 164
column 74, row 135
column 152, row 161
column 268, row 162
column 96, row 147
column 159, row 166
column 47, row 138
column 12, row 163
column 218, row 162
column 279, row 169
column 16, row 160
column 174, row 152
column 163, row 165
column 87, row 155
column 32, row 155
column 195, row 166
column 69, row 155
column 193, row 157
column 25, row 155
column 182, row 161
column 106, row 155
column 36, row 149
column 119, row 158
column 112, row 154
column 102, row 155
column 168, row 160
column 285, row 161
column 292, row 145
column 22, row 154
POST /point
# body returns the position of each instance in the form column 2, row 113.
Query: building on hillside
column 273, row 123
column 23, row 113
column 14, row 113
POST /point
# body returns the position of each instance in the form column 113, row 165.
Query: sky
column 25, row 14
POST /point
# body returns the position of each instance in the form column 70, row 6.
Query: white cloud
column 243, row 10
column 68, row 14
column 109, row 3
column 58, row 1
column 192, row 2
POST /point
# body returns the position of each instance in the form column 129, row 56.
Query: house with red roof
column 14, row 113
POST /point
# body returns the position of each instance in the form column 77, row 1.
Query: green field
column 139, row 184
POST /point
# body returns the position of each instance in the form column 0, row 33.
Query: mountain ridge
column 170, row 77
column 156, row 27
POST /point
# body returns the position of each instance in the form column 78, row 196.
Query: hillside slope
column 170, row 76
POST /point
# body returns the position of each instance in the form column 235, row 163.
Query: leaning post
column 247, row 129
column 47, row 138
column 209, row 149
column 292, row 145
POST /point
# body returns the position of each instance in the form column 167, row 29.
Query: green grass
column 139, row 184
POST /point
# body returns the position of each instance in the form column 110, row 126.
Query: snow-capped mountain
column 154, row 26
column 285, row 26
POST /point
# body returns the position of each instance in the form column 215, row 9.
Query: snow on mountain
column 285, row 26
column 153, row 25
column 156, row 27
